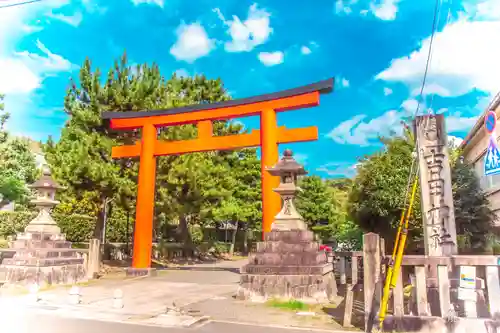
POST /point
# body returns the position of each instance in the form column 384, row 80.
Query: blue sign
column 492, row 159
column 490, row 121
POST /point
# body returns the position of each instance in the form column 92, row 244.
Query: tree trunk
column 186, row 238
column 99, row 227
column 233, row 239
column 3, row 203
column 245, row 242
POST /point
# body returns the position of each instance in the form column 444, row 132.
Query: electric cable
column 19, row 4
column 448, row 17
column 429, row 53
column 392, row 272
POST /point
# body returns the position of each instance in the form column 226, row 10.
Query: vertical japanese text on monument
column 434, row 156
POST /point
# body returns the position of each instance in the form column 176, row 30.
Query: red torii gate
column 268, row 138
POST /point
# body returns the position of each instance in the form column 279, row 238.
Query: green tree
column 323, row 204
column 378, row 194
column 347, row 233
column 17, row 164
column 187, row 186
column 474, row 216
column 242, row 206
column 314, row 201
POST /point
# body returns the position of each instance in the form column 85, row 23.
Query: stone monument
column 42, row 255
column 288, row 264
column 438, row 212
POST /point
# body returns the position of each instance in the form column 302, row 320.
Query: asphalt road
column 35, row 322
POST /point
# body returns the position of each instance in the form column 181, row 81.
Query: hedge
column 78, row 228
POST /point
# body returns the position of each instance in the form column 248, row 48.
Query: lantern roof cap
column 45, row 181
column 287, row 164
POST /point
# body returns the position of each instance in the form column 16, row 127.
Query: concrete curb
column 299, row 328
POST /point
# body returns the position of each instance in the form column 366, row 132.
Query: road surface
column 33, row 322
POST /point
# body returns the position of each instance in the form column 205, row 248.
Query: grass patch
column 293, row 305
column 237, row 257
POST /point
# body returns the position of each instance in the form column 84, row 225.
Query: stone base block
column 305, row 288
column 436, row 324
column 44, row 276
column 136, row 272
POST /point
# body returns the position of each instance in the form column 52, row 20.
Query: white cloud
column 49, row 63
column 91, row 6
column 343, row 7
column 305, row 50
column 335, row 169
column 341, row 82
column 301, row 158
column 355, row 131
column 181, row 72
column 246, row 35
column 159, row 3
column 271, row 58
column 457, row 123
column 431, row 89
column 464, row 57
column 382, row 9
column 23, row 72
column 73, row 20
column 455, row 141
column 387, row 91
column 16, row 77
column 385, row 10
column 411, row 105
column 192, row 43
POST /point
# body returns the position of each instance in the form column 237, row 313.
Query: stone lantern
column 288, row 170
column 41, row 255
column 289, row 263
column 45, row 191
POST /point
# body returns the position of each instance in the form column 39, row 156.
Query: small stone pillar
column 42, row 256
column 288, row 264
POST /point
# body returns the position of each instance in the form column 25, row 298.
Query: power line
column 19, row 4
column 448, row 17
column 414, row 171
column 434, row 23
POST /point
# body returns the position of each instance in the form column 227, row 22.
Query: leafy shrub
column 78, row 228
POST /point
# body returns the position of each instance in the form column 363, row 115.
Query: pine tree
column 314, row 201
column 17, row 164
column 188, row 186
column 377, row 196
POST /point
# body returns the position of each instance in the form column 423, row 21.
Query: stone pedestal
column 287, row 265
column 45, row 259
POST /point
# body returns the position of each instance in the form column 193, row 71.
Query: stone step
column 34, row 262
column 40, row 244
column 291, row 236
column 285, row 270
column 280, row 246
column 288, row 259
column 47, row 253
column 41, row 236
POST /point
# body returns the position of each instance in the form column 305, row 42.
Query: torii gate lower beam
column 268, row 138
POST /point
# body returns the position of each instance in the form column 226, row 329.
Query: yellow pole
column 404, row 235
column 388, row 278
column 397, row 256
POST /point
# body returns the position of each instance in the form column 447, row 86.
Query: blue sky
column 375, row 49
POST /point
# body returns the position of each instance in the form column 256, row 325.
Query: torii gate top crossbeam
column 301, row 97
